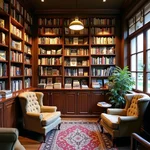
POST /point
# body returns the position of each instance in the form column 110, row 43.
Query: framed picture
column 73, row 61
column 49, row 80
column 42, row 80
column 2, row 55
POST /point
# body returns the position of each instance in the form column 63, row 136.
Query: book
column 73, row 61
column 75, row 40
column 2, row 55
column 2, row 23
column 6, row 95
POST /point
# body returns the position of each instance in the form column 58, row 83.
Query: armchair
column 9, row 139
column 36, row 116
column 123, row 122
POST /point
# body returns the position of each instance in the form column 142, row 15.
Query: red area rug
column 77, row 136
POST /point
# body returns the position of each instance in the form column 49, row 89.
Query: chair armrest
column 35, row 115
column 136, row 138
column 117, row 111
column 126, row 119
column 48, row 109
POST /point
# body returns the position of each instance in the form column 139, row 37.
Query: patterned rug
column 77, row 136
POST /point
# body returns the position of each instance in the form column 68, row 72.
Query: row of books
column 2, row 55
column 15, row 71
column 103, row 60
column 2, row 85
column 50, row 21
column 103, row 40
column 105, row 21
column 27, row 49
column 103, row 31
column 28, row 71
column 84, row 21
column 76, row 40
column 48, row 71
column 102, row 72
column 16, row 85
column 50, row 61
column 76, row 72
column 27, row 59
column 27, row 28
column 51, row 80
column 3, row 69
column 48, row 40
column 15, row 30
column 85, row 31
column 16, row 44
column 76, row 62
column 2, row 23
column 49, row 51
column 27, row 83
column 102, row 50
column 27, row 38
column 75, row 51
column 16, row 16
column 2, row 38
column 5, row 93
column 15, row 56
column 50, row 31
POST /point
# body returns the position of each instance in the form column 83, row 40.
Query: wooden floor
column 32, row 141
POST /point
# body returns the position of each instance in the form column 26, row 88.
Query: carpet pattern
column 77, row 136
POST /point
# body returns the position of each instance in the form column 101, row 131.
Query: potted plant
column 119, row 83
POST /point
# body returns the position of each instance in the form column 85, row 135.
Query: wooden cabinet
column 77, row 103
column 46, row 98
column 57, row 99
column 96, row 96
column 70, row 102
column 83, row 103
column 10, row 113
column 1, row 114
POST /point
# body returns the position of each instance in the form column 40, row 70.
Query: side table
column 103, row 105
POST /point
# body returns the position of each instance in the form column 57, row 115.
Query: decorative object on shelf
column 120, row 82
column 76, row 24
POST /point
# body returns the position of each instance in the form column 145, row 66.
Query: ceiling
column 75, row 4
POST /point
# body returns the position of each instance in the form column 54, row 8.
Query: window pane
column 131, row 29
column 140, row 62
column 148, row 39
column 133, row 75
column 133, row 63
column 133, row 45
column 147, row 18
column 139, row 24
column 147, row 8
column 148, row 83
column 131, row 22
column 140, row 81
column 148, row 61
column 140, row 43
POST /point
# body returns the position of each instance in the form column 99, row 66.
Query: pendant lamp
column 76, row 24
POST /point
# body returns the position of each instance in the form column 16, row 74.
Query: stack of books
column 5, row 93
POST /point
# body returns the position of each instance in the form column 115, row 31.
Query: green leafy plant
column 120, row 82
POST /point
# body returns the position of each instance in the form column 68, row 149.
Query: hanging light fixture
column 76, row 24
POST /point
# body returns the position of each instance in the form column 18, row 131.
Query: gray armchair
column 9, row 139
column 36, row 116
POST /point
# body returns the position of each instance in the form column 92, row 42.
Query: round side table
column 103, row 105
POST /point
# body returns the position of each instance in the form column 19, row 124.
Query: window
column 140, row 49
column 137, row 61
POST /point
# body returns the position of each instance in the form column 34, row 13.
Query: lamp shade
column 76, row 25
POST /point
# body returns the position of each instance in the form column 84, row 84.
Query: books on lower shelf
column 76, row 84
column 5, row 93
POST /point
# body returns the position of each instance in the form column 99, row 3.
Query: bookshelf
column 15, row 46
column 50, row 50
column 87, row 56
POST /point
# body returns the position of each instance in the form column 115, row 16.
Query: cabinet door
column 57, row 99
column 1, row 115
column 97, row 96
column 70, row 102
column 83, row 102
column 9, row 113
column 46, row 98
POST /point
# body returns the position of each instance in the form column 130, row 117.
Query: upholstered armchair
column 9, row 139
column 36, row 116
column 123, row 122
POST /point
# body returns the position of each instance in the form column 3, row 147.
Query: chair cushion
column 48, row 118
column 110, row 120
column 133, row 109
column 32, row 103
